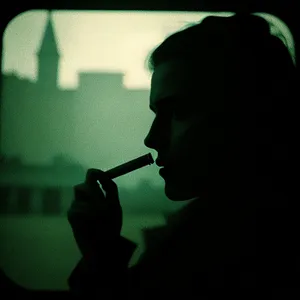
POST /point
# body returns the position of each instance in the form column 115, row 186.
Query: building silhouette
column 29, row 105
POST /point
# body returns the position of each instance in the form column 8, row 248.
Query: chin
column 177, row 194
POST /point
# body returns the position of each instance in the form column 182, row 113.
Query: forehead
column 177, row 79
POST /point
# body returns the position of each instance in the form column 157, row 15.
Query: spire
column 48, row 45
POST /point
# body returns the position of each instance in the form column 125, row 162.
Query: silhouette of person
column 224, row 130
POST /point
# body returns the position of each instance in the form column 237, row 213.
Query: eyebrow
column 162, row 102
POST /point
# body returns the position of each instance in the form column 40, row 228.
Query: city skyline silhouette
column 33, row 188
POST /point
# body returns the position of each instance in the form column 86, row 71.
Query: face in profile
column 188, row 142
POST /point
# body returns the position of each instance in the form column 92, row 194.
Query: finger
column 80, row 207
column 85, row 193
column 92, row 180
column 80, row 211
column 108, row 185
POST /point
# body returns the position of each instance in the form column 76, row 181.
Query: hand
column 95, row 218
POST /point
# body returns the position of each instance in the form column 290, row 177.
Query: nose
column 149, row 139
column 156, row 137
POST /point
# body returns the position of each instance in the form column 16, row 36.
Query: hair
column 264, row 74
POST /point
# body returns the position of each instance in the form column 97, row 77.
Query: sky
column 91, row 41
column 88, row 41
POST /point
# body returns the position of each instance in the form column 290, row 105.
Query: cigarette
column 130, row 166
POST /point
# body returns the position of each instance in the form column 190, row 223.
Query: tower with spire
column 48, row 57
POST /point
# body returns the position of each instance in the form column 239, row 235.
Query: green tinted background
column 75, row 95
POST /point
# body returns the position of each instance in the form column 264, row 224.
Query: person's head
column 220, row 92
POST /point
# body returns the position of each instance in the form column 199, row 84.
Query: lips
column 159, row 162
